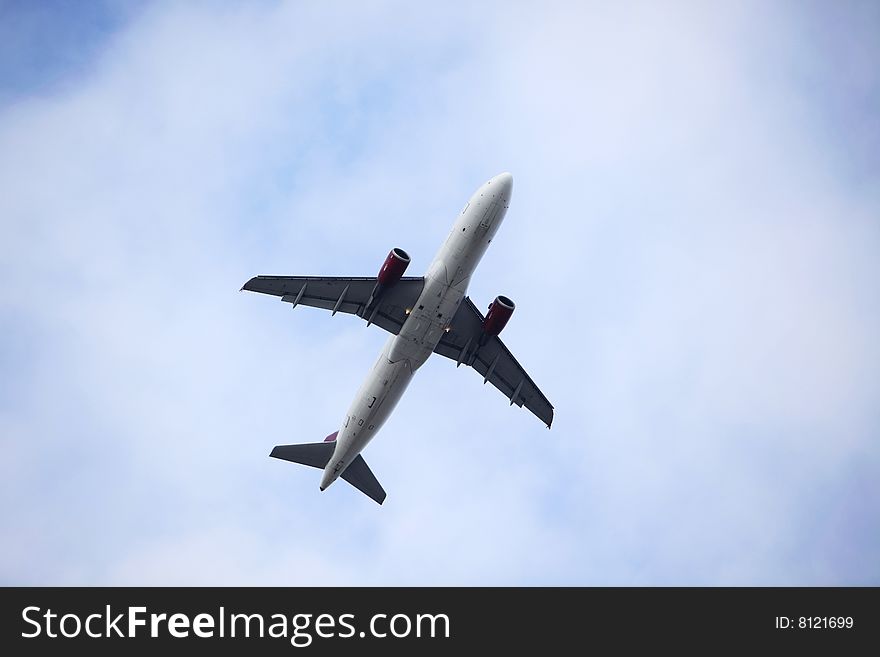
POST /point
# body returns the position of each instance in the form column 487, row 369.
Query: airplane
column 425, row 315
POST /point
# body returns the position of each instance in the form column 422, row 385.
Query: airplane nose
column 504, row 181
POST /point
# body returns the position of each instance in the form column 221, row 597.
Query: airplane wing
column 345, row 295
column 492, row 360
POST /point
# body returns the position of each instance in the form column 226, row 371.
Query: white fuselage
column 445, row 286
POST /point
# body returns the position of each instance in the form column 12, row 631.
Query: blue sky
column 692, row 245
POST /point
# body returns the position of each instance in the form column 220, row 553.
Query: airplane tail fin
column 317, row 455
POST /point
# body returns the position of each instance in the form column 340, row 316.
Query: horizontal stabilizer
column 359, row 475
column 317, row 455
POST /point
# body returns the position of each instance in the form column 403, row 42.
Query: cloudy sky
column 692, row 244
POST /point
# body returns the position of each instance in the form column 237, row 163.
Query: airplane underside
column 425, row 315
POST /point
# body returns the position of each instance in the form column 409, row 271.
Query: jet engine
column 393, row 267
column 499, row 313
column 391, row 272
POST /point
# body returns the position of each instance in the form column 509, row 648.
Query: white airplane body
column 425, row 315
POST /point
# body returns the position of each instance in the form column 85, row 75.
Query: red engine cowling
column 499, row 313
column 393, row 267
